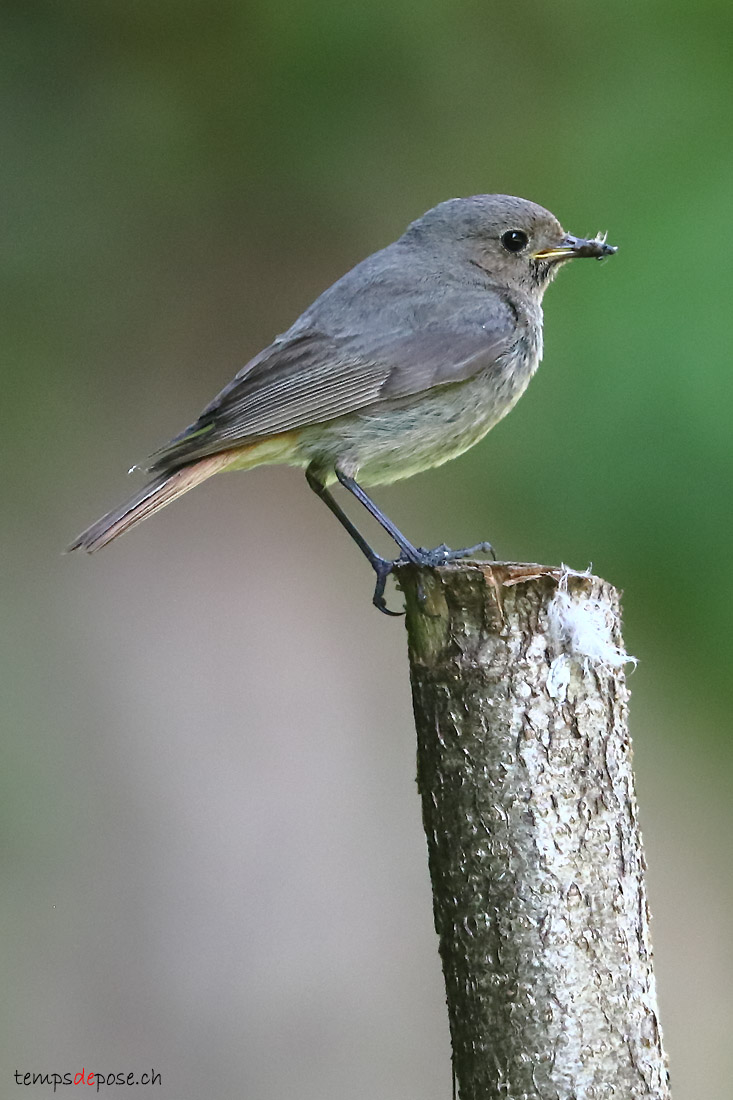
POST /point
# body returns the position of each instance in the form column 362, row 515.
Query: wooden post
column 524, row 769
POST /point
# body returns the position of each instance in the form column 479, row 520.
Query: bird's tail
column 150, row 499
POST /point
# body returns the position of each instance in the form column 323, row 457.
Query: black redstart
column 405, row 362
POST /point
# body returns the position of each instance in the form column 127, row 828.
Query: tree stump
column 536, row 861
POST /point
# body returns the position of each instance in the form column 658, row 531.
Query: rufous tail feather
column 150, row 499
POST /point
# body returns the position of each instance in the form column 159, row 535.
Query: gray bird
column 405, row 362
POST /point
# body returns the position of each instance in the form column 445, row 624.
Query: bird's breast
column 427, row 429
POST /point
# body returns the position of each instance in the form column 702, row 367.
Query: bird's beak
column 571, row 247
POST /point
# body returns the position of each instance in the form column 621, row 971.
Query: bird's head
column 514, row 241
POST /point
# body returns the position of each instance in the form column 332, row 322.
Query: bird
column 405, row 362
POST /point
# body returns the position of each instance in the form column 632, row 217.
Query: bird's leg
column 409, row 552
column 381, row 566
column 418, row 555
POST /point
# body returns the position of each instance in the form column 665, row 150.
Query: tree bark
column 524, row 769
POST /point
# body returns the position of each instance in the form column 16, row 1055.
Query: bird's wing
column 312, row 377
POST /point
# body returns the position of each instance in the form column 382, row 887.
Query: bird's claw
column 439, row 555
column 383, row 567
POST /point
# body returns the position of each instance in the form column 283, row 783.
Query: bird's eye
column 514, row 240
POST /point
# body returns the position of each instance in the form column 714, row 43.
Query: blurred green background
column 214, row 862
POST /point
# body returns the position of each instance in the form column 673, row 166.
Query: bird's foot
column 439, row 555
column 383, row 567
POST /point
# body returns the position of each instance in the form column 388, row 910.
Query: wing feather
column 306, row 377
